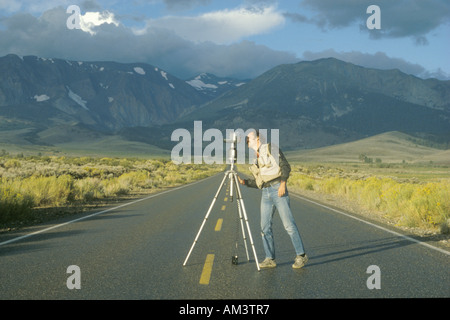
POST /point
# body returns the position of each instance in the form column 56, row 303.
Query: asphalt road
column 137, row 251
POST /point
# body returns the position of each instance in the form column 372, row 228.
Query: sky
column 232, row 38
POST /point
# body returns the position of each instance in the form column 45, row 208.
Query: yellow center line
column 219, row 225
column 207, row 268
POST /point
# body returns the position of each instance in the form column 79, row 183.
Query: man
column 270, row 176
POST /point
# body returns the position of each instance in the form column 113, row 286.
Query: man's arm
column 285, row 171
column 284, row 166
column 248, row 182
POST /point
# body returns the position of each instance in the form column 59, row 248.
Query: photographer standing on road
column 271, row 176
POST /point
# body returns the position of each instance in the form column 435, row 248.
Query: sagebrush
column 33, row 182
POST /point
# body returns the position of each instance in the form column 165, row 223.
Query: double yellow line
column 207, row 267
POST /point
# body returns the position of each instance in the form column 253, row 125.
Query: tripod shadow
column 357, row 249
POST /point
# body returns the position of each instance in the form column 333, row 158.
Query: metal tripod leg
column 244, row 213
column 206, row 217
column 241, row 220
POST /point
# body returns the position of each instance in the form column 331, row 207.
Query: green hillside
column 390, row 147
column 110, row 146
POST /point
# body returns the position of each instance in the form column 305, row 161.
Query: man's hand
column 241, row 181
column 282, row 189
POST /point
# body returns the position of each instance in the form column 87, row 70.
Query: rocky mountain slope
column 329, row 101
column 103, row 95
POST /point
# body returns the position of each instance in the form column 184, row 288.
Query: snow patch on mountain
column 200, row 85
column 213, row 86
column 139, row 70
column 42, row 97
column 77, row 99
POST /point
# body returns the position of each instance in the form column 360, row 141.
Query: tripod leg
column 242, row 226
column 206, row 218
column 231, row 187
column 244, row 212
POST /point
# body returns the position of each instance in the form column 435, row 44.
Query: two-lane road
column 136, row 251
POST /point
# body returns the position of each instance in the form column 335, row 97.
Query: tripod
column 233, row 178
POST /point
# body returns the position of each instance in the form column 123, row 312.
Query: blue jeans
column 270, row 201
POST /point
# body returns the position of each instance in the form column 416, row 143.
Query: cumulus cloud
column 48, row 36
column 186, row 46
column 90, row 20
column 223, row 26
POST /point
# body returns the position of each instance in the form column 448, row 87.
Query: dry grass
column 404, row 195
column 27, row 185
column 406, row 201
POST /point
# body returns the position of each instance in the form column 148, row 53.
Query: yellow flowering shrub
column 27, row 183
column 425, row 204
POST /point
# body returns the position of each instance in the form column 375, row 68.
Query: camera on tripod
column 233, row 141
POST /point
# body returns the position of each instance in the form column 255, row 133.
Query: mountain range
column 329, row 101
column 312, row 103
column 104, row 95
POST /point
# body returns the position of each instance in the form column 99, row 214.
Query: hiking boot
column 300, row 261
column 268, row 263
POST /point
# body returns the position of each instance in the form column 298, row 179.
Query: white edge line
column 374, row 225
column 100, row 212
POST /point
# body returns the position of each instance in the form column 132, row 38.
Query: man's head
column 252, row 140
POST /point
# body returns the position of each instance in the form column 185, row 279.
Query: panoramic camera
column 233, row 141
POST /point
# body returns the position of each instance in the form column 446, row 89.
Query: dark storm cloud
column 400, row 18
column 90, row 5
column 184, row 4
